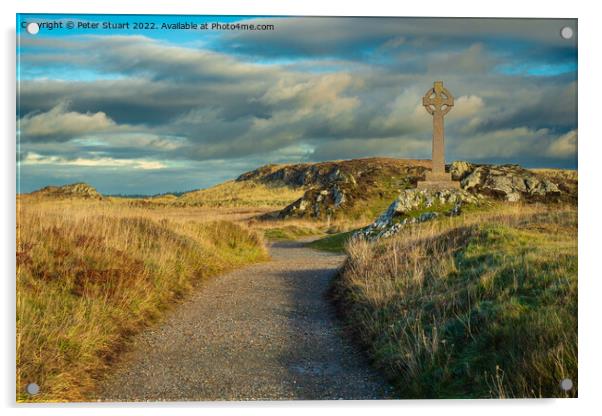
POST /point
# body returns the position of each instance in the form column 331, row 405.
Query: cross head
column 438, row 100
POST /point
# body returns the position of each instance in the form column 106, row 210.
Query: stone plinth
column 438, row 181
column 437, row 177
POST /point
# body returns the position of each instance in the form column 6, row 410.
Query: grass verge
column 88, row 281
column 334, row 243
column 290, row 232
column 471, row 308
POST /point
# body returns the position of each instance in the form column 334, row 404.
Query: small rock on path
column 265, row 332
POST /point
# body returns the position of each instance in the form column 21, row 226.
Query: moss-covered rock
column 418, row 205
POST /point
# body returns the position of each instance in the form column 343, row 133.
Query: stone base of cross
column 438, row 181
column 438, row 101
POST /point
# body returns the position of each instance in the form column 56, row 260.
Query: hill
column 74, row 190
column 357, row 188
column 242, row 193
column 364, row 188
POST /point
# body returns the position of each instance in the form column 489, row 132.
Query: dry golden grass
column 131, row 207
column 295, row 228
column 243, row 194
column 483, row 305
column 557, row 174
column 91, row 273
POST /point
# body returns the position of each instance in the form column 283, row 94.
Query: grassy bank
column 334, row 243
column 242, row 194
column 291, row 232
column 89, row 275
column 481, row 306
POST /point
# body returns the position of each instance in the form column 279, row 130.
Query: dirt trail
column 263, row 332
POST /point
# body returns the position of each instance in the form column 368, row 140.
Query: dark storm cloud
column 352, row 37
column 136, row 100
column 548, row 104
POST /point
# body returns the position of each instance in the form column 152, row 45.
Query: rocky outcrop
column 325, row 200
column 75, row 190
column 331, row 187
column 515, row 183
column 322, row 174
column 511, row 183
column 459, row 169
column 415, row 206
column 334, row 187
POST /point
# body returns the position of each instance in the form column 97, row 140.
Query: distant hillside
column 357, row 189
column 74, row 190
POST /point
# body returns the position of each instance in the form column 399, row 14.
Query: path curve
column 264, row 332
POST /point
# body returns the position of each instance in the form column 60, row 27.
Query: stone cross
column 438, row 101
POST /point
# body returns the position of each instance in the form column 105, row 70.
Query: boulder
column 318, row 202
column 459, row 169
column 511, row 183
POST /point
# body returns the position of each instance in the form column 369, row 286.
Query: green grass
column 333, row 243
column 469, row 311
column 480, row 207
column 290, row 232
column 373, row 202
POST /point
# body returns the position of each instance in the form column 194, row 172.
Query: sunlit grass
column 242, row 194
column 90, row 274
column 479, row 306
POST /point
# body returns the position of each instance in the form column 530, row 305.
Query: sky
column 154, row 109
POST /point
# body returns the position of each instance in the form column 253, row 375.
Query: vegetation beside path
column 91, row 274
column 479, row 306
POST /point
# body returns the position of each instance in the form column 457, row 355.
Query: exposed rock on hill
column 514, row 183
column 418, row 205
column 460, row 169
column 341, row 185
column 479, row 183
column 324, row 173
column 364, row 188
column 74, row 190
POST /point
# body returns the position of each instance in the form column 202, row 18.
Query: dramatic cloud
column 312, row 89
column 60, row 124
column 353, row 36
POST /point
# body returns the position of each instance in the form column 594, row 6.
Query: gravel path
column 264, row 332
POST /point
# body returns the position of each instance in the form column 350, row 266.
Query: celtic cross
column 438, row 101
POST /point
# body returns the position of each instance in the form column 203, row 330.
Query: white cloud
column 59, row 122
column 565, row 145
column 107, row 162
column 466, row 106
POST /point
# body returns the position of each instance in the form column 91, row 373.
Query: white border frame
column 589, row 212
